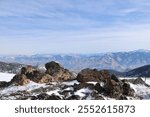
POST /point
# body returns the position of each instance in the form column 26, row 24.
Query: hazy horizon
column 75, row 27
column 107, row 52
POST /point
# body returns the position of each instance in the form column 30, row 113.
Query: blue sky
column 73, row 26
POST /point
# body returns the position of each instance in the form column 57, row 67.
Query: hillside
column 143, row 71
column 10, row 67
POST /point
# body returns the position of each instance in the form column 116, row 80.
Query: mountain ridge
column 143, row 71
column 119, row 61
column 10, row 67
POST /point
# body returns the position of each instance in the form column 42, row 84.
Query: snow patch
column 83, row 92
column 69, row 89
column 94, row 83
column 53, row 92
column 70, row 82
column 6, row 76
column 147, row 81
column 141, row 91
column 28, row 87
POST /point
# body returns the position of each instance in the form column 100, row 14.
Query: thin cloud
column 73, row 22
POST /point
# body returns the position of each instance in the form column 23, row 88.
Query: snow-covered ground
column 12, row 89
column 141, row 90
column 29, row 87
column 148, row 81
column 6, row 76
column 71, row 82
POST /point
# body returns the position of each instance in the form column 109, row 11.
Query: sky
column 73, row 26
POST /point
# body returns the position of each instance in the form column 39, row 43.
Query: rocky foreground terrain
column 58, row 83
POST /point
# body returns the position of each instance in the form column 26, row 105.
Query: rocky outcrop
column 107, row 84
column 58, row 72
column 26, row 75
column 20, row 79
column 54, row 73
column 31, row 73
column 88, row 75
column 137, row 81
column 92, row 75
column 113, row 88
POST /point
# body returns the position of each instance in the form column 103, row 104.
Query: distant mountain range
column 119, row 61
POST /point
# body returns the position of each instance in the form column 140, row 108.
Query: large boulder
column 20, row 79
column 107, row 84
column 36, row 75
column 113, row 88
column 58, row 72
column 30, row 72
column 118, row 89
column 92, row 75
column 53, row 68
